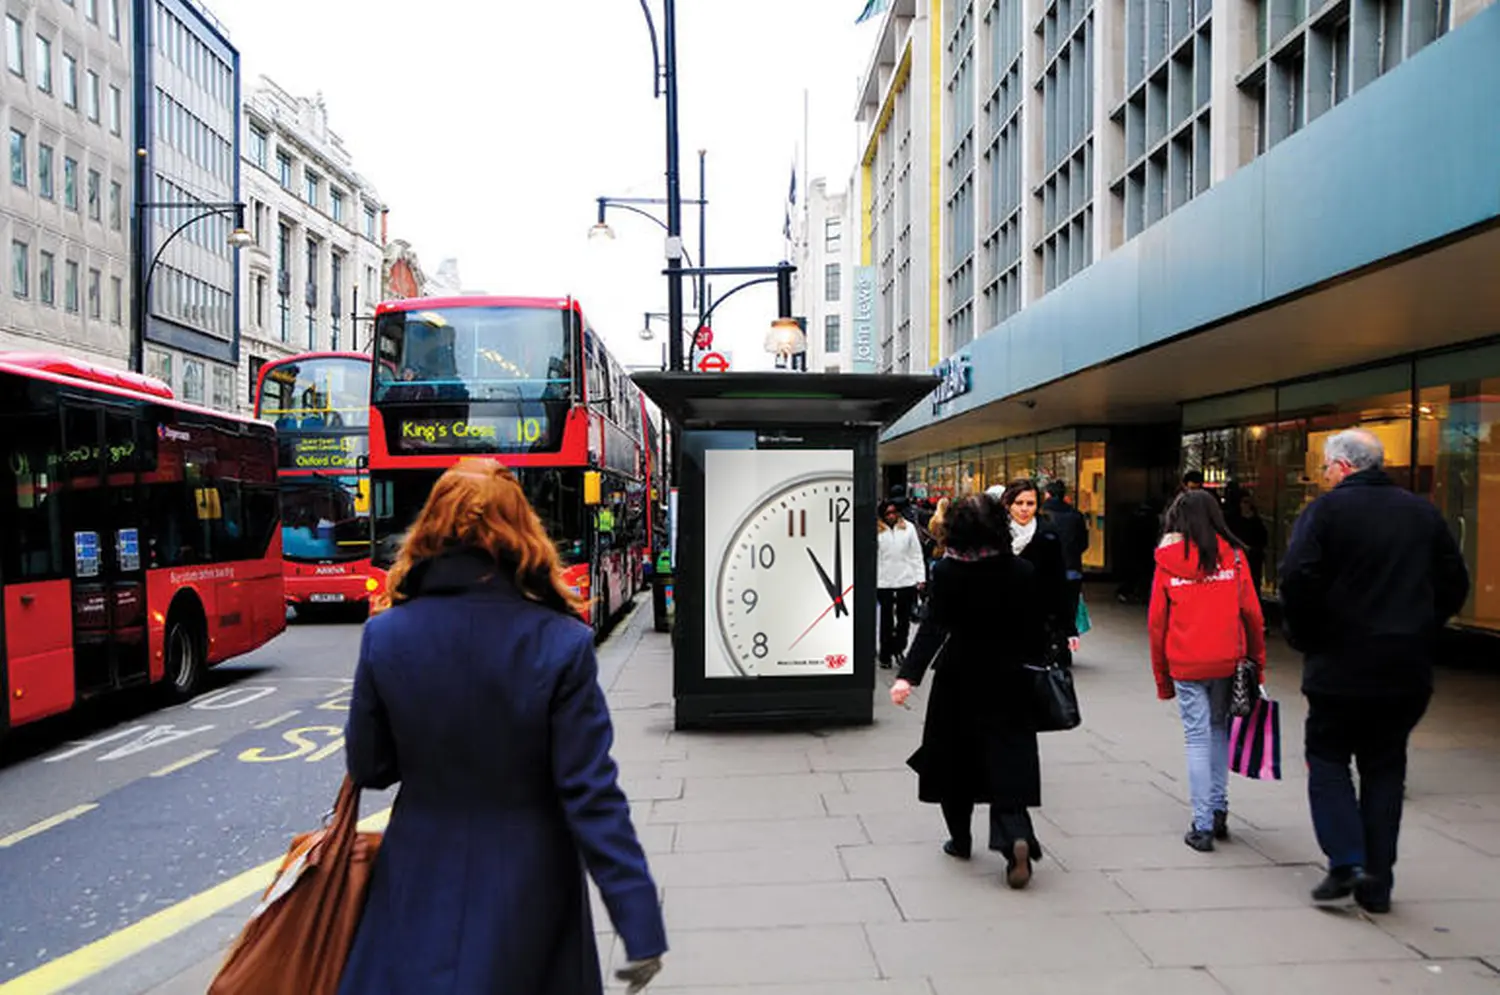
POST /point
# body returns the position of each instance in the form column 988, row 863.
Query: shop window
column 1089, row 499
column 1458, row 467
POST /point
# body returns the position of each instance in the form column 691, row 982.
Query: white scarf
column 1021, row 535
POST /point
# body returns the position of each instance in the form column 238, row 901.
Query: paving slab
column 766, row 905
column 1220, row 938
column 753, row 834
column 1125, row 981
column 1021, row 946
column 1397, row 978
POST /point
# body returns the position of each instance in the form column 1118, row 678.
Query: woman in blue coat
column 478, row 692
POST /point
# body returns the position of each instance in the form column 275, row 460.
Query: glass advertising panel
column 779, row 535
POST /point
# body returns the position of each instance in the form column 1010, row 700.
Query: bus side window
column 33, row 539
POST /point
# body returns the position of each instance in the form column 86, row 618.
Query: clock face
column 783, row 597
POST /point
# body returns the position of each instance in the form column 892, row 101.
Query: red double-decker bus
column 319, row 403
column 526, row 380
column 139, row 537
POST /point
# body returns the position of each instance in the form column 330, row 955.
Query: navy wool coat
column 486, row 708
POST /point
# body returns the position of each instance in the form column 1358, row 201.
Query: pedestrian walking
column 1205, row 618
column 1073, row 533
column 1370, row 578
column 979, row 741
column 1035, row 541
column 478, row 692
column 900, row 571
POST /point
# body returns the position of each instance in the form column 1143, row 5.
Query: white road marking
column 268, row 723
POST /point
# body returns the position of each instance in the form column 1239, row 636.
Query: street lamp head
column 646, row 333
column 601, row 232
column 785, row 338
column 241, row 239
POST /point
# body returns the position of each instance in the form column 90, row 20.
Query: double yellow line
column 70, row 969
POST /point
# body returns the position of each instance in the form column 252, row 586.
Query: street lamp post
column 239, row 238
column 780, row 274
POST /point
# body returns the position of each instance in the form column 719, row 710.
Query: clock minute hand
column 828, row 584
column 838, row 566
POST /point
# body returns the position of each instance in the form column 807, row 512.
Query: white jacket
column 900, row 562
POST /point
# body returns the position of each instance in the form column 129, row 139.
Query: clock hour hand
column 828, row 584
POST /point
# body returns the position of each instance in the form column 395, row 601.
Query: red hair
column 478, row 504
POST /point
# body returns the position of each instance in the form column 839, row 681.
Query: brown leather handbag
column 300, row 934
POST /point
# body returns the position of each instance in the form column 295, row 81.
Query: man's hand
column 1166, row 692
column 638, row 974
column 900, row 691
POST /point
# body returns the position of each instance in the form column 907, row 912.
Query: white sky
column 490, row 127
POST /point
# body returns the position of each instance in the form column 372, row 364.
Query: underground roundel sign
column 713, row 362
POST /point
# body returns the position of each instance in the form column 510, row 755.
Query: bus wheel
column 184, row 658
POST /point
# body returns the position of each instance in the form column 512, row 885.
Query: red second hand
column 820, row 618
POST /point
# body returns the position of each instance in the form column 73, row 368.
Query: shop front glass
column 1446, row 446
column 1089, row 498
column 1458, row 442
column 1055, row 456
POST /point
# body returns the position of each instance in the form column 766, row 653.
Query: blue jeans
column 1205, row 724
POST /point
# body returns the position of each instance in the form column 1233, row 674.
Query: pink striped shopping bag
column 1255, row 742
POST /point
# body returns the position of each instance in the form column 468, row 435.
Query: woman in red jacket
column 1205, row 618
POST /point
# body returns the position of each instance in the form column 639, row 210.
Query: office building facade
column 1204, row 236
column 822, row 252
column 312, row 277
column 66, row 205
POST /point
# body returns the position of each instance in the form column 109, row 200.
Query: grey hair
column 1356, row 447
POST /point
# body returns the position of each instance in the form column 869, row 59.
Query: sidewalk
column 802, row 864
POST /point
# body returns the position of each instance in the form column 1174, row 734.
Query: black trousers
column 895, row 619
column 1360, row 829
column 1006, row 826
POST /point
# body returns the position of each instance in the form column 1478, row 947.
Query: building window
column 114, row 19
column 15, row 56
column 96, row 290
column 310, row 193
column 831, row 333
column 833, row 234
column 116, row 300
column 43, row 64
column 284, row 280
column 70, row 183
column 44, row 171
column 284, row 170
column 159, row 365
column 46, row 278
column 70, row 81
column 832, row 278
column 116, row 110
column 17, row 158
column 20, row 270
column 192, row 381
column 94, row 194
column 91, row 10
column 116, row 210
column 91, row 79
column 258, row 301
column 257, row 363
column 370, row 223
column 259, row 146
column 336, row 204
column 70, row 287
column 223, row 398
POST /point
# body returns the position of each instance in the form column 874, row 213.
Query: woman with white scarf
column 1032, row 540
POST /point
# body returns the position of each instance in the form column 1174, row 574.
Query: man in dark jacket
column 1073, row 531
column 1371, row 577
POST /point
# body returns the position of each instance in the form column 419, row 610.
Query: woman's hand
column 638, row 974
column 900, row 691
column 1073, row 644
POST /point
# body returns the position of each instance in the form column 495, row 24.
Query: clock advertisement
column 779, row 530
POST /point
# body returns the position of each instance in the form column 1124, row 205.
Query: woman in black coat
column 1034, row 540
column 984, row 624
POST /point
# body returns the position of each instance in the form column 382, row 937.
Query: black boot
column 1340, row 883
